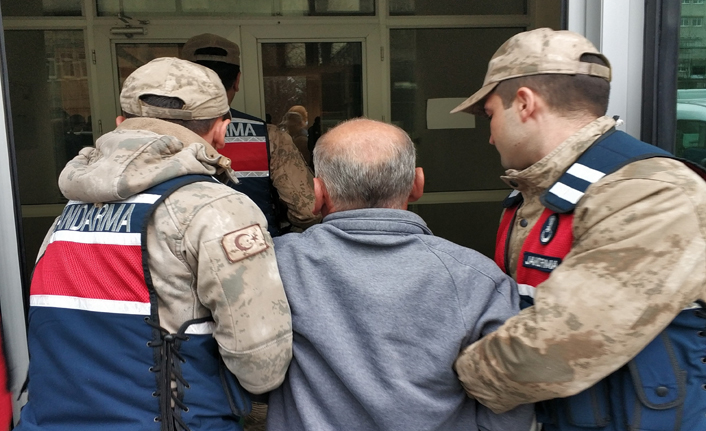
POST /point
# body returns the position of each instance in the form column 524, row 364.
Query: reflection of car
column 691, row 125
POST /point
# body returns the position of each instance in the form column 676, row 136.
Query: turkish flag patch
column 244, row 243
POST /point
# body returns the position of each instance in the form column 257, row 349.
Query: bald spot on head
column 364, row 140
column 366, row 164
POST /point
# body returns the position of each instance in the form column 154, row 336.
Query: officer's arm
column 637, row 260
column 292, row 179
column 239, row 282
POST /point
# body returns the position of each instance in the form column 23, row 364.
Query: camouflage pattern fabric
column 292, row 178
column 193, row 272
column 198, row 86
column 638, row 258
column 536, row 52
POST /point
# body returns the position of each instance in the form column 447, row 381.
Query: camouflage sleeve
column 238, row 280
column 638, row 258
column 292, row 179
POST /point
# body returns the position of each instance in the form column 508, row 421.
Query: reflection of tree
column 283, row 92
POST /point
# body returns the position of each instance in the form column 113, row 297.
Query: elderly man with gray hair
column 380, row 306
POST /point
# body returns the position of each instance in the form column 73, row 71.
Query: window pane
column 41, row 8
column 691, row 81
column 141, row 8
column 51, row 116
column 425, row 65
column 324, row 77
column 133, row 55
column 455, row 7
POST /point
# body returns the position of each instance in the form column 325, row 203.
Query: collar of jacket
column 378, row 219
column 541, row 175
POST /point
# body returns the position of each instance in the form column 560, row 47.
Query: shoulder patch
column 244, row 243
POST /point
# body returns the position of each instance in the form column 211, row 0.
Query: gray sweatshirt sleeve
column 488, row 297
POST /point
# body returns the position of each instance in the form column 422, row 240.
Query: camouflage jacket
column 292, row 178
column 638, row 258
column 192, row 272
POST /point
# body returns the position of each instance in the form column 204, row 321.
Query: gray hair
column 368, row 168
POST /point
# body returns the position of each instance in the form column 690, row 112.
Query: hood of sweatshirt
column 140, row 153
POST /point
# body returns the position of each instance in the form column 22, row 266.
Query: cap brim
column 472, row 104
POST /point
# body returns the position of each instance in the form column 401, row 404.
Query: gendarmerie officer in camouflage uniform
column 270, row 169
column 606, row 235
column 156, row 299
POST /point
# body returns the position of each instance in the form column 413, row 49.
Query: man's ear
column 322, row 203
column 217, row 134
column 526, row 103
column 236, row 84
column 418, row 186
column 118, row 120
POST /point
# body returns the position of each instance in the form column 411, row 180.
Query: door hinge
column 382, row 53
column 93, row 56
column 100, row 127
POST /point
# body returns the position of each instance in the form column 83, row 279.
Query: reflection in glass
column 50, row 107
column 51, row 116
column 141, row 8
column 324, row 77
column 691, row 81
column 455, row 7
column 133, row 55
column 41, row 8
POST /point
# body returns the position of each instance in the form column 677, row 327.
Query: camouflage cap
column 198, row 86
column 231, row 51
column 299, row 109
column 536, row 52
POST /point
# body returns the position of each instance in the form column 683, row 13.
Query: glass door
column 325, row 78
column 330, row 71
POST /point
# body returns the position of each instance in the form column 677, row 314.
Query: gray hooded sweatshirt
column 380, row 310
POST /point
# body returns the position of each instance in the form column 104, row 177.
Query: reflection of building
column 692, row 45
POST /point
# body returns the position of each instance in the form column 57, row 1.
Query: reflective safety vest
column 248, row 147
column 664, row 387
column 99, row 357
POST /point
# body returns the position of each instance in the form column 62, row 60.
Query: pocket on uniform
column 654, row 388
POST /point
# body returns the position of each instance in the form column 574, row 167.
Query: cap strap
column 156, row 112
column 594, row 69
